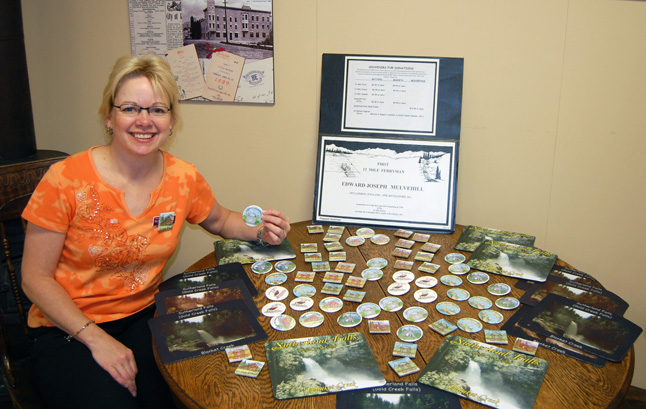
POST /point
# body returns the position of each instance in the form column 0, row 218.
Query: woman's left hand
column 275, row 226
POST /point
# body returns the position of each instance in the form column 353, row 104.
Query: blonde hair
column 150, row 66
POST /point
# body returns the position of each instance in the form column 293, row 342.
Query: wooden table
column 209, row 381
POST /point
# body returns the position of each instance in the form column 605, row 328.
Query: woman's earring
column 109, row 130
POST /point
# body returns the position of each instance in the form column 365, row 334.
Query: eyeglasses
column 134, row 110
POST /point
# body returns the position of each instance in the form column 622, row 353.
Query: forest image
column 596, row 300
column 511, row 260
column 211, row 297
column 587, row 329
column 204, row 331
column 322, row 367
column 488, row 375
column 472, row 237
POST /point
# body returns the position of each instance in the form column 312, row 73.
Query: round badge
column 426, row 282
column 459, row 268
column 458, row 294
column 490, row 316
column 499, row 289
column 372, row 274
column 415, row 314
column 330, row 304
column 252, row 215
column 349, row 319
column 301, row 303
column 455, row 258
column 403, row 276
column 276, row 293
column 285, row 266
column 447, row 308
column 481, row 303
column 275, row 278
column 282, row 323
column 369, row 310
column 398, row 288
column 311, row 319
column 507, row 303
column 380, row 239
column 304, row 290
column 451, row 281
column 409, row 333
column 469, row 325
column 377, row 262
column 391, row 304
column 365, row 232
column 425, row 296
column 478, row 278
column 273, row 309
column 261, row 267
column 355, row 241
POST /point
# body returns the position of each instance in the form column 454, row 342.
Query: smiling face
column 141, row 134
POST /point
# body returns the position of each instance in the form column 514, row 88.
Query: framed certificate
column 396, row 183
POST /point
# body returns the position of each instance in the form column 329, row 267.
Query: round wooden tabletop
column 209, row 381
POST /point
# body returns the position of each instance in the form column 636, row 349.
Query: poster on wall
column 219, row 50
column 388, row 145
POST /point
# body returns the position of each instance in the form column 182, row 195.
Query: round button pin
column 369, row 310
column 425, row 295
column 311, row 319
column 252, row 215
column 273, row 309
column 282, row 322
column 469, row 325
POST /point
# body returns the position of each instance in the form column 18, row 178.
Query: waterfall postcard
column 486, row 374
column 584, row 326
column 512, row 260
column 313, row 366
column 472, row 236
column 205, row 330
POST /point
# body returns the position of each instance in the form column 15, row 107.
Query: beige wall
column 553, row 110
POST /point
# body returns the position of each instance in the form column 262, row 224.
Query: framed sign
column 386, row 182
column 389, row 133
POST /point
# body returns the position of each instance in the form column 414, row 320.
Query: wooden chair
column 17, row 182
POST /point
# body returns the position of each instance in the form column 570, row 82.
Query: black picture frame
column 389, row 134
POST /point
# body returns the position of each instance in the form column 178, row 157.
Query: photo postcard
column 564, row 272
column 514, row 329
column 398, row 395
column 512, row 260
column 321, row 365
column 586, row 294
column 184, row 299
column 204, row 330
column 211, row 275
column 247, row 252
column 472, row 236
column 485, row 374
column 589, row 328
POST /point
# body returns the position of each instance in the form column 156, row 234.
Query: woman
column 102, row 224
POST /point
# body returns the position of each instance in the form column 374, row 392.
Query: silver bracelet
column 259, row 237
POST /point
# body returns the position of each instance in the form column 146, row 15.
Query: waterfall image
column 517, row 266
column 488, row 384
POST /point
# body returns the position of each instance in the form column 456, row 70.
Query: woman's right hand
column 113, row 356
